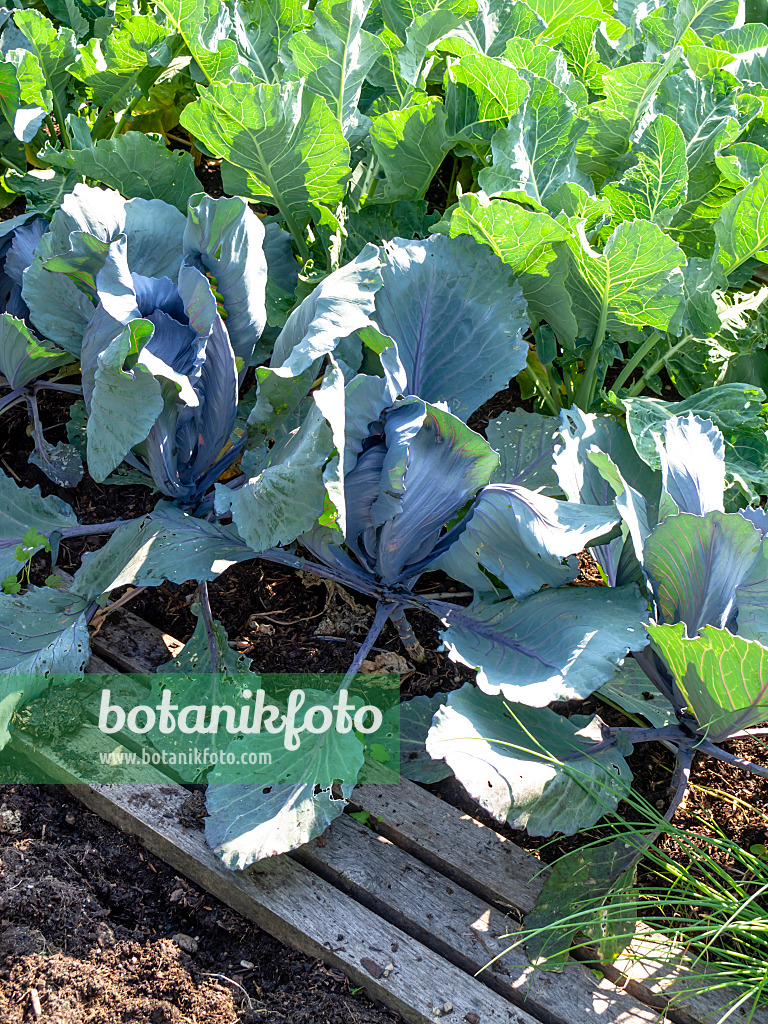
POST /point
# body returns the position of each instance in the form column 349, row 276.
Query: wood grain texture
column 461, row 927
column 454, row 843
column 298, row 907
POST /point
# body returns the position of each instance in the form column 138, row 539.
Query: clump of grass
column 708, row 901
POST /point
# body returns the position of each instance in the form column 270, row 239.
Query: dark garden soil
column 87, row 917
column 105, row 934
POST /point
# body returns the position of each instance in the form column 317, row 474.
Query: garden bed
column 370, row 344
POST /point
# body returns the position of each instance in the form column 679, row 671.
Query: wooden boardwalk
column 412, row 912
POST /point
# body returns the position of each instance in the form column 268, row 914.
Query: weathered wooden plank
column 77, row 757
column 650, row 965
column 298, row 907
column 131, row 644
column 451, row 842
column 461, row 927
column 127, row 642
column 454, row 843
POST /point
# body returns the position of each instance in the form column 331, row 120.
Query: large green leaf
column 521, row 238
column 481, row 95
column 522, row 764
column 114, row 68
column 248, row 821
column 557, row 14
column 24, row 120
column 707, row 18
column 204, row 27
column 285, row 138
column 135, row 164
column 416, row 58
column 399, row 15
column 742, row 227
column 55, row 53
column 410, row 146
column 578, row 46
column 637, row 280
column 489, row 29
column 629, row 91
column 735, row 408
column 22, row 509
column 536, row 152
column 547, row 63
column 262, row 29
column 125, row 401
column 23, row 357
column 724, row 678
column 706, row 111
column 517, row 653
column 335, row 55
column 656, row 185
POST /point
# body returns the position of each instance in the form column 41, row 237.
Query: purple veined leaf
column 325, row 544
column 518, row 653
column 581, row 479
column 444, row 465
column 335, row 309
column 526, row 443
column 692, row 459
column 724, row 678
column 456, row 316
column 399, row 427
column 349, row 411
column 124, row 296
column 167, row 544
column 758, row 517
column 361, row 488
column 18, row 242
column 521, row 765
column 59, row 310
column 585, row 475
column 64, row 272
column 155, row 233
column 520, row 537
column 752, row 600
column 224, row 238
column 695, row 564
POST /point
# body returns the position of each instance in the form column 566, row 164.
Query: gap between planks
column 300, row 908
column 456, row 846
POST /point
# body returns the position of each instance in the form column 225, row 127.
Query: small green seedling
column 31, row 542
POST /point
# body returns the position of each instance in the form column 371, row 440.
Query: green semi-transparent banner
column 267, row 730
